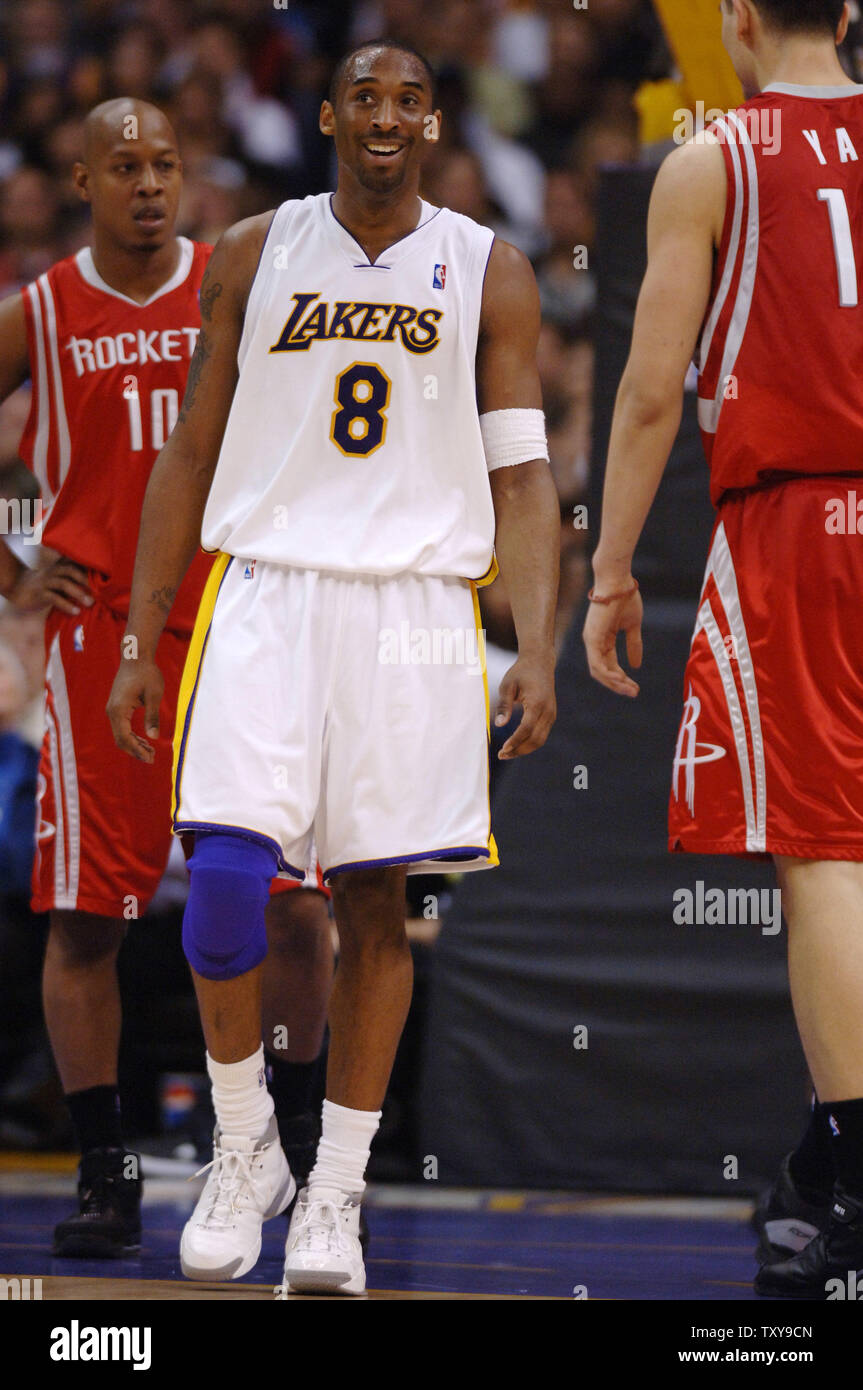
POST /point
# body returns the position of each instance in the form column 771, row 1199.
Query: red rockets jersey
column 781, row 354
column 108, row 379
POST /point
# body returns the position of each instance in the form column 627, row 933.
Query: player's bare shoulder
column 14, row 356
column 233, row 264
column 692, row 182
column 224, row 292
column 510, row 297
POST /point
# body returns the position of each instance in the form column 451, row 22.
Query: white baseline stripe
column 733, row 247
column 64, row 447
column 43, row 402
column 57, row 681
column 721, row 564
column 709, row 411
column 60, row 888
column 707, row 621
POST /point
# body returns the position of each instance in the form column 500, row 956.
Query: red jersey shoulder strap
column 46, row 445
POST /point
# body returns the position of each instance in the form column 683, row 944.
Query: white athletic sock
column 241, row 1100
column 343, row 1151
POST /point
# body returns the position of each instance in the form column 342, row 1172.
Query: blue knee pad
column 224, row 932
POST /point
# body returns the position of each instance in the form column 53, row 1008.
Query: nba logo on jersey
column 78, row 638
column 249, row 571
column 439, row 281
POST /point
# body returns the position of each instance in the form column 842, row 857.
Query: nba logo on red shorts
column 439, row 281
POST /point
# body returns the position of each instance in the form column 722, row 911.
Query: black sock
column 812, row 1163
column 845, row 1118
column 291, row 1086
column 96, row 1117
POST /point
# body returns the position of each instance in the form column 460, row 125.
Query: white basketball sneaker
column 249, row 1182
column 323, row 1252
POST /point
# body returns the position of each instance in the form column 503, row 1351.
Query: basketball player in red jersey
column 755, row 255
column 106, row 337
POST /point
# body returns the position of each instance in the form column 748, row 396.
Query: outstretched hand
column 604, row 622
column 138, row 682
column 529, row 683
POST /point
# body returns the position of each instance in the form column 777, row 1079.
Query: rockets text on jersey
column 108, row 376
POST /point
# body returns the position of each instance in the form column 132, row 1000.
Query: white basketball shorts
column 348, row 710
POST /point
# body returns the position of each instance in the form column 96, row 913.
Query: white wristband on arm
column 513, row 436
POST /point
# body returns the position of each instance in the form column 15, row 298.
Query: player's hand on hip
column 529, row 683
column 604, row 622
column 138, row 682
column 62, row 584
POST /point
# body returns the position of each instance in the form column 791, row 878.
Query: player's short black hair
column 801, row 16
column 342, row 65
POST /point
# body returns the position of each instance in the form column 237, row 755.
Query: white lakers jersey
column 353, row 441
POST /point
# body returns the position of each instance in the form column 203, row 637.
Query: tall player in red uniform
column 755, row 258
column 106, row 337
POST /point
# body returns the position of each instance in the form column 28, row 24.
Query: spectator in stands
column 28, row 224
column 266, row 130
column 18, row 762
column 30, row 1097
column 567, row 288
column 134, row 63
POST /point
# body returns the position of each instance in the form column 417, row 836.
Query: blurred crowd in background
column 536, row 96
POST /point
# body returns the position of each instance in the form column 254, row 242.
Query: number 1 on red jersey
column 843, row 246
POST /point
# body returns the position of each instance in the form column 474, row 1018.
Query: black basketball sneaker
column 108, row 1223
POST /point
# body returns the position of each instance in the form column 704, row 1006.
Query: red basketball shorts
column 104, row 819
column 769, row 755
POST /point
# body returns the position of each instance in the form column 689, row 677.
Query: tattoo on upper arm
column 163, row 598
column 203, row 352
column 209, row 294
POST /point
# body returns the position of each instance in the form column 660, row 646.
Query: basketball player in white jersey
column 362, row 431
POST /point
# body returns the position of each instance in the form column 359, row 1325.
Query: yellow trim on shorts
column 191, row 671
column 490, row 575
column 494, row 858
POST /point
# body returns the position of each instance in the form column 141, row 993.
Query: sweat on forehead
column 363, row 62
column 123, row 119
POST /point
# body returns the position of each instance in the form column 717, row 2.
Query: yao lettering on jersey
column 353, row 442
column 781, row 352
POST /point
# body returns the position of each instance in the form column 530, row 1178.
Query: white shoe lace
column 320, row 1229
column 229, row 1182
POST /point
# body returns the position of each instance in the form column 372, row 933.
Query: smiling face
column 133, row 184
column 382, row 119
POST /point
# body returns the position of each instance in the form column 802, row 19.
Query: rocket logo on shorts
column 687, row 752
column 439, row 281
